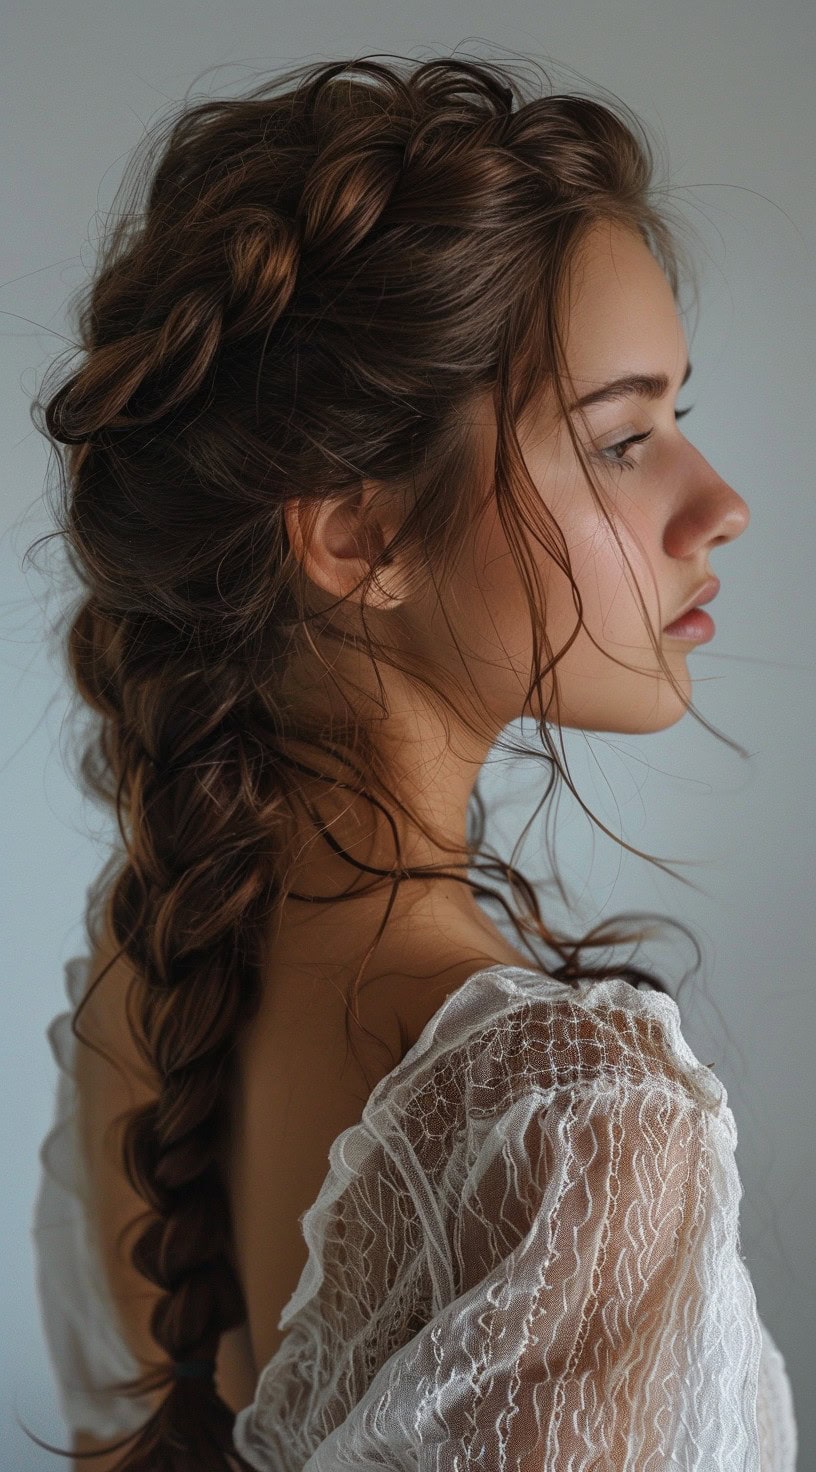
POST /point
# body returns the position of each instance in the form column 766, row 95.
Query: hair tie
column 193, row 1368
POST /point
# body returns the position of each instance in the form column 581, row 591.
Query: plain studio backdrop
column 726, row 91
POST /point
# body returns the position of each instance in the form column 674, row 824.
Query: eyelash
column 624, row 463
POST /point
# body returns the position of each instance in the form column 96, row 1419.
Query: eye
column 624, row 461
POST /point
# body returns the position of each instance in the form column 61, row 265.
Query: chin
column 633, row 714
column 667, row 710
column 633, row 705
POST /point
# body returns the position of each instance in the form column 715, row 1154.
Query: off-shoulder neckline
column 512, row 979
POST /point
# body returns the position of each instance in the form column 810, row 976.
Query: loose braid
column 189, row 910
column 246, row 343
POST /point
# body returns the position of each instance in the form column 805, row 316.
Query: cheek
column 493, row 615
column 493, row 596
column 612, row 566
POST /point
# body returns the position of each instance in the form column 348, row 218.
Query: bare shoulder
column 414, row 998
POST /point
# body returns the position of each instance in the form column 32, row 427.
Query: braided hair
column 318, row 279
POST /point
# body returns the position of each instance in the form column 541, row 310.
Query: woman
column 373, row 451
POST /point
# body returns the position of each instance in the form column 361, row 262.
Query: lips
column 709, row 590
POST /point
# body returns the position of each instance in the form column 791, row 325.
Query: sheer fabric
column 525, row 1256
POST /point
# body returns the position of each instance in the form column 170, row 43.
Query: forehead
column 621, row 316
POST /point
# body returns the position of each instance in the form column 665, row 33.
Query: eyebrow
column 645, row 385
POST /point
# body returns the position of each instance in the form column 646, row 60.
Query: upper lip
column 709, row 590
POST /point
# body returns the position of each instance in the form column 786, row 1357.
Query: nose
column 723, row 511
column 709, row 511
column 732, row 514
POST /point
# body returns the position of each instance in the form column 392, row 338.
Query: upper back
column 299, row 1085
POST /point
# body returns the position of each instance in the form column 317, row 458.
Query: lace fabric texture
column 525, row 1256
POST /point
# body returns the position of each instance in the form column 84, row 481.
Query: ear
column 337, row 540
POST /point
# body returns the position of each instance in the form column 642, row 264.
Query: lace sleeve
column 602, row 1317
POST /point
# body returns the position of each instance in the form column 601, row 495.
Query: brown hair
column 236, row 355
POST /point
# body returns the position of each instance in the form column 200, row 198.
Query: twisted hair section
column 312, row 283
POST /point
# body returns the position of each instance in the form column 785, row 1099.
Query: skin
column 672, row 510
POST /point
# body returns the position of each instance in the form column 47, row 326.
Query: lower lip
column 696, row 625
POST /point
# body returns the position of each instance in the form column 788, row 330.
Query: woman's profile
column 375, row 448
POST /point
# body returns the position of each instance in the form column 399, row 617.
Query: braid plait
column 175, row 340
column 201, row 799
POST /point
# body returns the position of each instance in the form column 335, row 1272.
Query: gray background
column 728, row 90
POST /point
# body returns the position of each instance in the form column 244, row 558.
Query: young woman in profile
column 373, row 451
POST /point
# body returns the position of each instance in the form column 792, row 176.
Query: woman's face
column 670, row 507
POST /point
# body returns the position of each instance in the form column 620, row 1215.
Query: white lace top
column 525, row 1256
